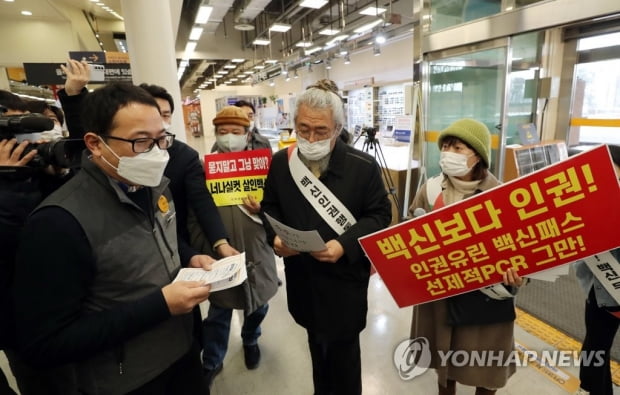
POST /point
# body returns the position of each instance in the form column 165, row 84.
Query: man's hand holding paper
column 332, row 253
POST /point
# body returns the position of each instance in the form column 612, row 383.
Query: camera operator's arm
column 11, row 152
column 72, row 95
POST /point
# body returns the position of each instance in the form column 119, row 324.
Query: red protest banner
column 554, row 216
column 231, row 176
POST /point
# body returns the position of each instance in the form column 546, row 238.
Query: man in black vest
column 95, row 267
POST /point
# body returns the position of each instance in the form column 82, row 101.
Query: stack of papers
column 225, row 273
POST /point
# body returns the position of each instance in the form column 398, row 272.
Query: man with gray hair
column 323, row 184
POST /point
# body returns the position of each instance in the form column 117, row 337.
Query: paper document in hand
column 298, row 240
column 225, row 273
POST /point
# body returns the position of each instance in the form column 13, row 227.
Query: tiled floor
column 285, row 366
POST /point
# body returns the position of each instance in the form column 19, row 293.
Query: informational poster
column 232, row 176
column 556, row 215
column 402, row 129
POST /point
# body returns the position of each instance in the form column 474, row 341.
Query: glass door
column 497, row 83
column 469, row 85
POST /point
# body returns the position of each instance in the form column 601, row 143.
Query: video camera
column 370, row 133
column 62, row 153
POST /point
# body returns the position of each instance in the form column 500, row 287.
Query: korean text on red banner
column 232, row 176
column 559, row 214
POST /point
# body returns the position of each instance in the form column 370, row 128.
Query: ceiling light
column 237, row 60
column 372, row 11
column 343, row 51
column 190, row 47
column 328, row 64
column 27, row 13
column 310, row 51
column 280, row 27
column 233, row 79
column 195, row 34
column 313, row 3
column 336, row 40
column 204, row 12
column 271, row 83
column 376, row 49
column 243, row 24
column 347, row 59
column 368, row 26
column 304, row 44
column 287, row 79
column 329, row 32
column 230, row 66
column 380, row 38
column 222, row 72
column 271, row 61
column 259, row 67
column 261, row 41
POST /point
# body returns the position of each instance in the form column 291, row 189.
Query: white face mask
column 231, row 142
column 314, row 151
column 454, row 164
column 144, row 169
column 252, row 124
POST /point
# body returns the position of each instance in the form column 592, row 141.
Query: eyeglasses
column 319, row 134
column 145, row 144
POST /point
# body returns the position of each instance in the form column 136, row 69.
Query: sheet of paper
column 298, row 240
column 225, row 273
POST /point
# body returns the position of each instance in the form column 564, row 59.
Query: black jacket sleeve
column 189, row 190
column 72, row 107
column 55, row 268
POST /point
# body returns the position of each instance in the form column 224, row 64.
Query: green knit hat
column 474, row 133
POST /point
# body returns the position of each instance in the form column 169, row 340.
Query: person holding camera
column 23, row 184
column 97, row 259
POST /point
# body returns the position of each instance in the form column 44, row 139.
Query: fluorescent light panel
column 372, row 11
column 329, row 32
column 280, row 27
column 204, row 12
column 237, row 60
column 261, row 41
column 190, row 47
column 310, row 51
column 304, row 44
column 313, row 3
column 196, row 33
column 336, row 39
column 367, row 26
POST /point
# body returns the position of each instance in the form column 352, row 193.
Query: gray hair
column 317, row 98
